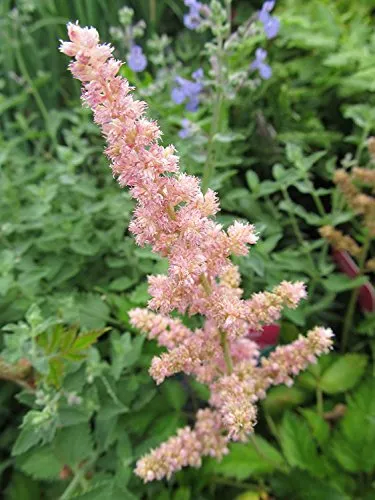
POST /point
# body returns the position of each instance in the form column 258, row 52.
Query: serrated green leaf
column 40, row 463
column 27, row 438
column 300, row 485
column 298, row 445
column 73, row 444
column 353, row 444
column 175, row 393
column 318, row 425
column 246, row 460
column 85, row 340
column 344, row 374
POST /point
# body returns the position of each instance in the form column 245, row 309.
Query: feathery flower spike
column 177, row 220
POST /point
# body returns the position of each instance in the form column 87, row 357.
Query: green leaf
column 318, row 425
column 228, row 137
column 73, row 444
column 344, row 374
column 22, row 487
column 86, row 340
column 94, row 312
column 367, row 325
column 252, row 180
column 175, row 393
column 40, row 463
column 298, row 445
column 244, row 460
column 353, row 444
column 283, row 398
column 340, row 282
column 300, row 485
column 27, row 438
column 121, row 284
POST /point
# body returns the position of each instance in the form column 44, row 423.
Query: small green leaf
column 87, row 339
column 27, row 438
column 344, row 374
column 340, row 282
column 121, row 284
column 283, row 398
column 175, row 393
column 318, row 425
column 228, row 137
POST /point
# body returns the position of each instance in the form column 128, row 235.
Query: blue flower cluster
column 188, row 91
column 136, row 59
column 264, row 69
column 270, row 23
column 186, row 129
column 271, row 26
column 192, row 19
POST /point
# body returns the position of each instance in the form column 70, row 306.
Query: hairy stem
column 209, row 167
column 226, row 351
column 348, row 321
column 223, row 335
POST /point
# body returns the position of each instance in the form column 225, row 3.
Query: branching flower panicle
column 176, row 219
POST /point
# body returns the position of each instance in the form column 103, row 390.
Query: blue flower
column 192, row 19
column 186, row 130
column 270, row 23
column 188, row 91
column 136, row 59
column 264, row 69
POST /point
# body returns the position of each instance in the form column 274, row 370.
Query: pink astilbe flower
column 187, row 448
column 177, row 220
column 169, row 332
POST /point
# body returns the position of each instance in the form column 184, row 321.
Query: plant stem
column 319, row 401
column 271, row 425
column 319, row 204
column 78, row 479
column 226, row 351
column 298, row 233
column 152, row 9
column 33, row 89
column 348, row 321
column 209, row 167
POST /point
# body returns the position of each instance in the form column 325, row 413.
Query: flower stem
column 319, row 401
column 209, row 167
column 298, row 233
column 78, row 479
column 226, row 351
column 348, row 321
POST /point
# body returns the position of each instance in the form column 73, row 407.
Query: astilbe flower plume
column 175, row 218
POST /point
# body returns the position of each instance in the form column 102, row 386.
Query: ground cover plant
column 271, row 105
